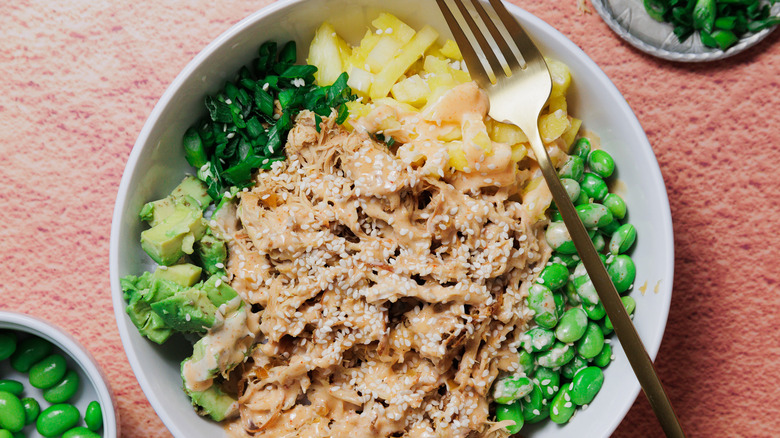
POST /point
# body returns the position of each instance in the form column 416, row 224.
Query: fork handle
column 635, row 351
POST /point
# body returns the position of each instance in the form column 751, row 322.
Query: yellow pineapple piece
column 360, row 81
column 558, row 103
column 571, row 133
column 412, row 90
column 327, row 52
column 458, row 159
column 361, row 52
column 389, row 24
column 450, row 50
column 505, row 133
column 396, row 67
column 434, row 64
column 449, row 132
column 356, row 111
column 553, row 125
column 519, row 151
column 561, row 77
column 386, row 48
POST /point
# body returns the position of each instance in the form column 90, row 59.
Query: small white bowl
column 157, row 164
column 93, row 385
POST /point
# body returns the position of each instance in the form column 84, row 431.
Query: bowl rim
column 666, row 230
column 83, row 358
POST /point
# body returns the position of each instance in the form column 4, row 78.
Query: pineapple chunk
column 476, row 132
column 451, row 50
column 326, row 52
column 436, row 65
column 458, row 159
column 552, row 126
column 519, row 151
column 505, row 133
column 386, row 48
column 449, row 132
column 360, row 80
column 412, row 90
column 389, row 24
column 558, row 103
column 396, row 67
column 356, row 111
column 361, row 52
column 561, row 77
column 571, row 133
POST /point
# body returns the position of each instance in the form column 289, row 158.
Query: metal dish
column 630, row 21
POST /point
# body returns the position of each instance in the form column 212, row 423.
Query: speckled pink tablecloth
column 78, row 79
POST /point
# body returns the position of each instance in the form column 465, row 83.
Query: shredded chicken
column 388, row 300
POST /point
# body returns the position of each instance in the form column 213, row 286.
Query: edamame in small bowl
column 49, row 384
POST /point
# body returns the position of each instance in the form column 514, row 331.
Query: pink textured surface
column 78, row 79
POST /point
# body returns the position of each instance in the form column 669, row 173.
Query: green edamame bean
column 560, row 302
column 538, row 339
column 622, row 271
column 28, row 352
column 594, row 215
column 57, row 419
column 591, row 343
column 48, row 372
column 510, row 388
column 568, row 260
column 7, row 344
column 604, row 358
column 630, row 306
column 603, row 326
column 532, row 405
column 622, row 239
column 6, row 434
column 94, row 415
column 572, row 325
column 570, row 369
column 559, row 355
column 611, row 227
column 554, row 276
column 562, row 408
column 11, row 412
column 80, row 432
column 598, row 242
column 512, row 412
column 559, row 239
column 571, row 293
column 601, row 163
column 64, row 390
column 582, row 148
column 616, row 205
column 555, row 216
column 582, row 199
column 31, row 409
column 526, row 362
column 586, row 384
column 572, row 188
column 541, row 301
column 12, row 386
column 586, row 290
column 595, row 312
column 573, row 168
column 594, row 186
column 548, row 380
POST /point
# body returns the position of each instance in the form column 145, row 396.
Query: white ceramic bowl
column 93, row 385
column 157, row 164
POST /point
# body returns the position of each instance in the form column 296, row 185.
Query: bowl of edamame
column 49, row 384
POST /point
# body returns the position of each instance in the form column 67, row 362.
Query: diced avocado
column 192, row 186
column 155, row 329
column 218, row 291
column 141, row 292
column 175, row 236
column 214, row 402
column 187, row 311
column 156, row 211
column 185, row 274
column 212, row 253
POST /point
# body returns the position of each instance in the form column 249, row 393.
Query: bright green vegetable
column 48, row 372
column 538, row 339
column 510, row 388
column 616, row 205
column 80, row 432
column 582, row 199
column 571, row 293
column 7, row 344
column 512, row 412
column 586, row 290
column 94, row 416
column 581, row 149
column 572, row 188
column 11, row 412
column 28, row 352
column 598, row 242
column 562, row 408
column 622, row 271
column 570, row 369
column 572, row 325
column 57, row 419
column 629, row 304
column 12, row 386
column 594, row 215
column 591, row 343
column 559, row 355
column 526, row 362
column 31, row 409
column 622, row 239
column 560, row 302
column 549, row 381
column 533, row 405
column 595, row 311
column 572, row 168
column 704, row 15
column 586, row 384
column 604, row 357
column 568, row 260
column 594, row 186
column 6, row 434
column 610, row 228
column 540, row 299
column 557, row 236
column 601, row 163
column 64, row 390
column 554, row 276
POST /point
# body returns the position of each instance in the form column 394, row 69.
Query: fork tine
column 473, row 61
column 512, row 60
column 524, row 43
column 487, row 50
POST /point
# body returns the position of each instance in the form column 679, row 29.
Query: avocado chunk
column 214, row 402
column 218, row 291
column 212, row 253
column 184, row 274
column 140, row 293
column 155, row 212
column 187, row 311
column 175, row 236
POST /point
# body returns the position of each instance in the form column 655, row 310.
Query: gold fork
column 518, row 83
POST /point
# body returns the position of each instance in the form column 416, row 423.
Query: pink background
column 78, row 79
